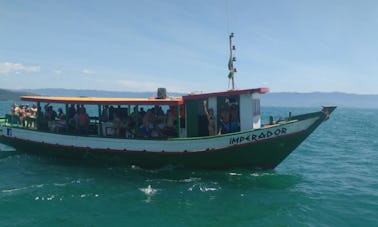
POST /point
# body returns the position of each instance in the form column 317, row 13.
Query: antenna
column 231, row 63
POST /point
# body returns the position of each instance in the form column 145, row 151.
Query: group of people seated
column 56, row 122
column 150, row 123
column 116, row 121
column 156, row 123
column 76, row 120
column 24, row 115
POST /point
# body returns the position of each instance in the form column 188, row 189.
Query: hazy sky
column 299, row 46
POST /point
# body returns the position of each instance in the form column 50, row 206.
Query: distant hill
column 7, row 95
column 279, row 99
column 291, row 99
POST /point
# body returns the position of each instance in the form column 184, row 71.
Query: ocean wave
column 204, row 187
column 12, row 190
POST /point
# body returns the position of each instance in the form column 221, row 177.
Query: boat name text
column 258, row 136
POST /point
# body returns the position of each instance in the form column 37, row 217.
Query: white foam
column 5, row 148
column 149, row 190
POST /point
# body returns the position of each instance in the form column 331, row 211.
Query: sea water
column 331, row 179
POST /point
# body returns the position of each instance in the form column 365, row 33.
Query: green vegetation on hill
column 7, row 95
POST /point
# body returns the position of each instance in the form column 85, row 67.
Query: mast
column 231, row 60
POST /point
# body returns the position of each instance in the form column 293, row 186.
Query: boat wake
column 6, row 151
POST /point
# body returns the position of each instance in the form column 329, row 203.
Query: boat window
column 225, row 117
column 121, row 121
column 147, row 121
column 229, row 114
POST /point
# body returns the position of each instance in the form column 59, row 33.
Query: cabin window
column 62, row 118
column 137, row 121
column 226, row 112
column 256, row 106
column 229, row 114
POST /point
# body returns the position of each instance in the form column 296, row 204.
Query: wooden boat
column 209, row 130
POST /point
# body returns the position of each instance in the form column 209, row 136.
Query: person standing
column 210, row 118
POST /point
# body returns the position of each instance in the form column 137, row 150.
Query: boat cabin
column 232, row 111
column 161, row 117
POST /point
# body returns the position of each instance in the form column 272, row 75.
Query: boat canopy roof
column 104, row 101
column 138, row 101
column 226, row 93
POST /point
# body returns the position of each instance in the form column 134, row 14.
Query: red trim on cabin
column 226, row 93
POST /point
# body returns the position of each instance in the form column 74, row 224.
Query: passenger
column 111, row 113
column 61, row 115
column 46, row 113
column 171, row 119
column 170, row 129
column 62, row 121
column 83, row 107
column 210, row 117
column 105, row 114
column 271, row 121
column 71, row 111
column 83, row 121
column 116, row 125
column 54, row 114
column 59, row 124
column 31, row 116
column 224, row 126
column 78, row 109
column 51, row 117
column 41, row 122
column 71, row 117
column 15, row 109
column 34, row 110
column 14, row 114
column 21, row 115
column 142, row 112
column 234, row 119
column 130, row 127
column 28, row 117
column 50, row 113
column 147, row 125
column 159, row 122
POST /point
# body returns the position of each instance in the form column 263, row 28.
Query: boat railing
column 3, row 120
column 11, row 119
column 14, row 121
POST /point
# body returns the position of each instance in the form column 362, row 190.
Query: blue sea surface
column 331, row 179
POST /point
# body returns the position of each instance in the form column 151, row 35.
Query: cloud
column 88, row 71
column 138, row 85
column 7, row 68
column 57, row 72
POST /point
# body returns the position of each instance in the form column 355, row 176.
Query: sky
column 182, row 45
